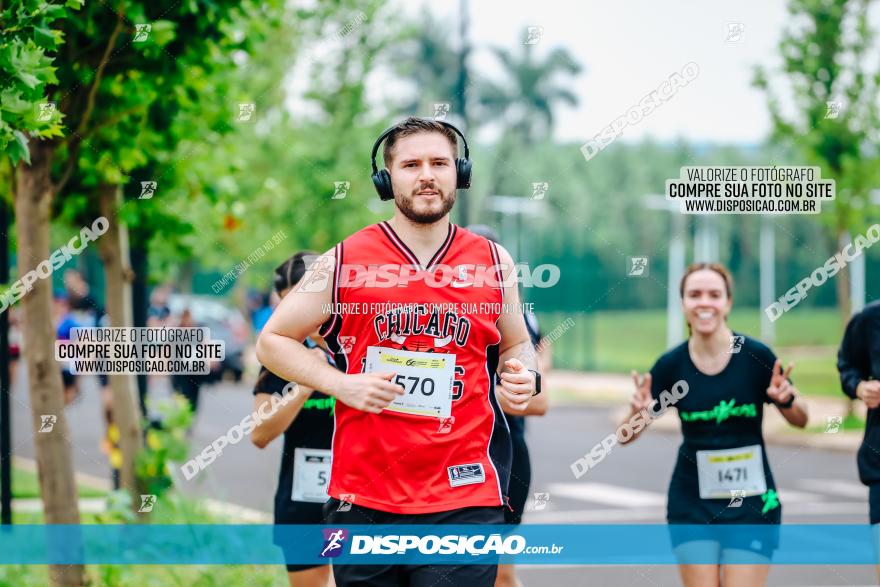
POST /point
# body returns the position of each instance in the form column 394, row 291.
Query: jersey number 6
column 457, row 385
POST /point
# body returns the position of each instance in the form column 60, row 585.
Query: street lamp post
column 767, row 272
column 512, row 208
column 706, row 240
column 677, row 227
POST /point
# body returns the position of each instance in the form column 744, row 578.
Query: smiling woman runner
column 307, row 424
column 722, row 475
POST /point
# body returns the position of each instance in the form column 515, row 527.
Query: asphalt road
column 629, row 486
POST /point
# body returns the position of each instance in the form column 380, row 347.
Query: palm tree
column 525, row 102
column 431, row 66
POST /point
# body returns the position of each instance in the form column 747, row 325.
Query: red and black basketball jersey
column 405, row 463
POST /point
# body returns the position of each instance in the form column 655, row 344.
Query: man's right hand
column 368, row 392
column 869, row 392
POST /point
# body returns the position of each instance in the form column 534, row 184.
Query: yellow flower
column 113, row 433
column 116, row 458
column 153, row 440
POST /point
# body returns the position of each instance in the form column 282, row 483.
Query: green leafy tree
column 27, row 47
column 826, row 61
column 29, row 42
column 238, row 189
column 126, row 73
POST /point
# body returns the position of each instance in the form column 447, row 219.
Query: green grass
column 850, row 423
column 26, row 485
column 814, row 373
column 619, row 341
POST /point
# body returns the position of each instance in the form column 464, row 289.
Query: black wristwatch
column 786, row 404
column 537, row 382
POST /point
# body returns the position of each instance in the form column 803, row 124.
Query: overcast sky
column 627, row 49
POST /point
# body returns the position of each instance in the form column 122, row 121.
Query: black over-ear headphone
column 382, row 179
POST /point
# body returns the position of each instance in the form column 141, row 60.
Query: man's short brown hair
column 412, row 126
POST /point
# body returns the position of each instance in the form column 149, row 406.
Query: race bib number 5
column 427, row 379
column 311, row 474
column 721, row 472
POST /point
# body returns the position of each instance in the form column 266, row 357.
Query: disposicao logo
column 333, row 540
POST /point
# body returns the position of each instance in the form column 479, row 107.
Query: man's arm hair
column 515, row 340
column 301, row 312
column 523, row 351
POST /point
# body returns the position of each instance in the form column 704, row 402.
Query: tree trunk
column 113, row 249
column 33, row 198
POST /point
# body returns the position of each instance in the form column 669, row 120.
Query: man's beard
column 406, row 206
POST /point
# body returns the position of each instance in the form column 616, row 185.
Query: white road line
column 87, row 505
column 826, row 508
column 658, row 514
column 598, row 516
column 787, row 496
column 606, row 494
column 236, row 512
column 839, row 488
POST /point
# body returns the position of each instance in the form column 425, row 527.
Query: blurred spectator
column 14, row 346
column 65, row 321
column 261, row 311
column 159, row 312
column 87, row 308
column 89, row 313
column 188, row 385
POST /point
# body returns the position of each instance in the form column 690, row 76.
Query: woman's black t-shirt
column 722, row 411
column 312, row 428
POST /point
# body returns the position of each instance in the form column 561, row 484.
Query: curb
column 613, row 390
column 776, row 431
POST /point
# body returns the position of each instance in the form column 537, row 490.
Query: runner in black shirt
column 307, row 424
column 722, row 476
column 521, row 466
column 858, row 362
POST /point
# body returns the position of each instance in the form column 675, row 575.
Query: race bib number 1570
column 426, row 378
